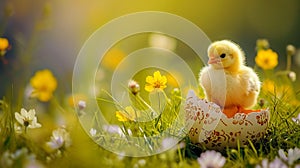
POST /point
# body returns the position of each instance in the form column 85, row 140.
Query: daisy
column 292, row 155
column 27, row 119
column 211, row 159
column 276, row 163
column 60, row 139
column 157, row 81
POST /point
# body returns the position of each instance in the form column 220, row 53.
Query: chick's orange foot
column 231, row 111
column 246, row 111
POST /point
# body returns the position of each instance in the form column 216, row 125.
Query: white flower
column 28, row 159
column 142, row 162
column 276, row 163
column 211, row 159
column 81, row 104
column 297, row 119
column 27, row 119
column 293, row 155
column 93, row 132
column 60, row 139
column 121, row 155
column 292, row 75
column 134, row 87
column 264, row 164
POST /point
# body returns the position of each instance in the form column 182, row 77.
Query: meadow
column 44, row 124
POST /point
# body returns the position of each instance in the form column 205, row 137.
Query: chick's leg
column 230, row 111
column 245, row 111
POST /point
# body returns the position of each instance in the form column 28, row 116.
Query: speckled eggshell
column 213, row 129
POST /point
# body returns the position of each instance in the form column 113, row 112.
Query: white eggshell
column 213, row 129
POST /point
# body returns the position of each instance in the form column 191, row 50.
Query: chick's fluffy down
column 241, row 88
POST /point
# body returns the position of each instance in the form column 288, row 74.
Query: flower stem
column 288, row 62
column 25, row 130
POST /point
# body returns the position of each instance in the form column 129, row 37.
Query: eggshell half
column 213, row 129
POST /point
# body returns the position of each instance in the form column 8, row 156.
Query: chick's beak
column 213, row 60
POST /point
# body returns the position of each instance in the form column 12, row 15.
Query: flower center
column 211, row 166
column 43, row 88
column 26, row 123
column 266, row 61
column 157, row 84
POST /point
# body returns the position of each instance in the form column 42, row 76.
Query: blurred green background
column 49, row 34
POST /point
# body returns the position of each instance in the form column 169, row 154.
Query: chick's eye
column 223, row 55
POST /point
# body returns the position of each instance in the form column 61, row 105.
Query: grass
column 282, row 133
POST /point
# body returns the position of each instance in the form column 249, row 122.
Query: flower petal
column 24, row 113
column 282, row 155
column 44, row 96
column 149, row 79
column 53, row 145
column 31, row 114
column 121, row 117
column 19, row 118
column 157, row 75
column 163, row 80
column 34, row 123
column 149, row 88
column 56, row 134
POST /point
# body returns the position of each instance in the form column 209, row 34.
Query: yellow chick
column 227, row 81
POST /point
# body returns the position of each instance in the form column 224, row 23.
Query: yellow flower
column 44, row 84
column 155, row 82
column 121, row 116
column 4, row 44
column 129, row 115
column 266, row 59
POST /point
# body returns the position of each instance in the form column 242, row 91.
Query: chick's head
column 225, row 54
